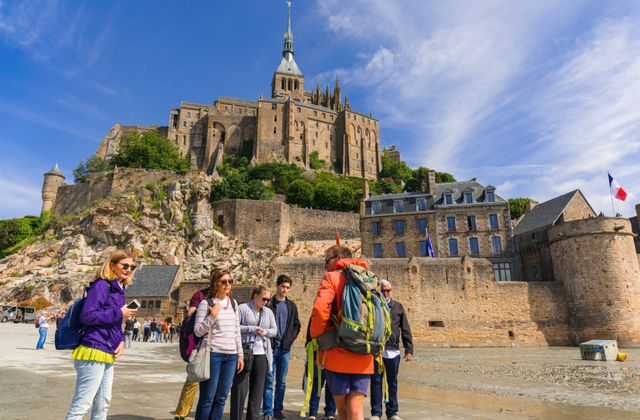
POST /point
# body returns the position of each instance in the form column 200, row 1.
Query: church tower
column 288, row 80
column 52, row 180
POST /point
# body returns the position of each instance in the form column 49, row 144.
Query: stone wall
column 129, row 179
column 603, row 294
column 317, row 225
column 273, row 224
column 454, row 301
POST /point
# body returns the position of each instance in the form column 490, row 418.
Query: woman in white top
column 217, row 316
column 257, row 325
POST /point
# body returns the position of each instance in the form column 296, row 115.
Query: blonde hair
column 105, row 272
column 214, row 277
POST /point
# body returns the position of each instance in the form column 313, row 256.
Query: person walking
column 154, row 330
column 102, row 341
column 258, row 326
column 128, row 331
column 217, row 316
column 391, row 357
column 43, row 328
column 136, row 330
column 347, row 373
column 146, row 330
column 286, row 314
column 189, row 389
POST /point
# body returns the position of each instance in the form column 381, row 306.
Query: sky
column 535, row 98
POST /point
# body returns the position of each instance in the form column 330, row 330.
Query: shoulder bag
column 198, row 368
column 247, row 349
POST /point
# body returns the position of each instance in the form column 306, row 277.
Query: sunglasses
column 326, row 260
column 127, row 266
column 385, row 290
column 266, row 300
column 226, row 282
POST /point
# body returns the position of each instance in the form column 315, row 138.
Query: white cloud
column 18, row 198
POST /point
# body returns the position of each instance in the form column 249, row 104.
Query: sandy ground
column 502, row 383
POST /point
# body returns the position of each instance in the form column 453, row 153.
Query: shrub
column 300, row 193
column 149, row 150
column 314, row 161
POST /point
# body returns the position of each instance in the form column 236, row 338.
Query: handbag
column 198, row 368
column 247, row 349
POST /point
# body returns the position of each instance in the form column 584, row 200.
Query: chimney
column 429, row 184
column 531, row 204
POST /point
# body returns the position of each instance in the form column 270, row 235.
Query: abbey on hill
column 288, row 127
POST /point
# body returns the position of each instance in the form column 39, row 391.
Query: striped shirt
column 225, row 327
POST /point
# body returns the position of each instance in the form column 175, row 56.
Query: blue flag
column 429, row 245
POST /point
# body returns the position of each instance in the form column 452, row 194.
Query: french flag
column 616, row 189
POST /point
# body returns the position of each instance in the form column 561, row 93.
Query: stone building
column 157, row 289
column 293, row 126
column 635, row 227
column 462, row 218
column 52, row 180
column 531, row 233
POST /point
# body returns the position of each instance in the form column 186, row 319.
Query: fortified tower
column 52, row 180
column 597, row 262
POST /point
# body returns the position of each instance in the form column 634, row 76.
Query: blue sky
column 535, row 98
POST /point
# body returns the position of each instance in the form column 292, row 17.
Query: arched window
column 296, row 85
column 282, row 84
column 289, row 84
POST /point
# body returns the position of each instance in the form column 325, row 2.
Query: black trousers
column 251, row 383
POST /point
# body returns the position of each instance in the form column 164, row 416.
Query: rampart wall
column 454, row 301
column 315, row 225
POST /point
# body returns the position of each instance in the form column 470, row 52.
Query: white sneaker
column 394, row 417
column 374, row 418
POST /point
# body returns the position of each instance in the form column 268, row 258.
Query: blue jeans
column 43, row 337
column 279, row 371
column 391, row 366
column 93, row 389
column 314, row 402
column 213, row 392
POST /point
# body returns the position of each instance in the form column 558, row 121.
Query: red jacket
column 331, row 287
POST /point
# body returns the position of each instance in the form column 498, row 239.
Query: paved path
column 148, row 379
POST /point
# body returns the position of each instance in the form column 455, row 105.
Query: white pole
column 611, row 194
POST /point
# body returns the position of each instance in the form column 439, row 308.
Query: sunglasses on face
column 226, row 282
column 386, row 290
column 126, row 266
column 326, row 260
column 265, row 300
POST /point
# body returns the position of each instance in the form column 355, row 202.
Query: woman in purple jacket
column 102, row 342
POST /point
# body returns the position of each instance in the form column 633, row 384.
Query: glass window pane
column 453, row 247
column 421, row 204
column 377, row 250
column 398, row 206
column 400, row 249
column 491, row 196
column 448, row 198
column 451, row 223
column 423, row 248
column 473, row 246
column 376, row 207
column 422, row 226
column 471, row 221
column 493, row 221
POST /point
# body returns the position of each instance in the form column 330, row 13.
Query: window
column 398, row 227
column 468, row 197
column 448, row 198
column 158, row 304
column 315, row 113
column 502, row 271
column 453, row 247
column 143, row 304
column 191, row 124
column 496, row 244
column 377, row 250
column 150, row 305
column 491, row 196
column 275, row 130
column 275, row 118
column 376, row 207
column 274, row 106
column 184, row 124
column 474, row 248
column 451, row 223
column 493, row 221
column 324, row 116
column 400, row 249
column 299, row 109
column 376, row 228
column 423, row 248
column 422, row 226
column 331, row 117
column 421, row 204
column 398, row 206
column 471, row 222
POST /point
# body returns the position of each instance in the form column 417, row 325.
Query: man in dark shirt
column 286, row 314
column 154, row 330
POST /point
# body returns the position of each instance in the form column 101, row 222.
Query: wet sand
column 487, row 383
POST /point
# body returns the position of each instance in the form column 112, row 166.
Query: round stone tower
column 596, row 261
column 52, row 180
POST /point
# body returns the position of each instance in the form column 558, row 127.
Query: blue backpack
column 70, row 331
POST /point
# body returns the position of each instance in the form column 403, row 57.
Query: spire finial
column 288, row 36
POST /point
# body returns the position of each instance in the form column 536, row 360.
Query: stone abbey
column 292, row 126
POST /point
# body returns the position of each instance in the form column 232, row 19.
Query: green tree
column 314, row 161
column 399, row 171
column 15, row 232
column 91, row 165
column 149, row 150
column 300, row 193
column 444, row 177
column 517, row 207
column 384, row 186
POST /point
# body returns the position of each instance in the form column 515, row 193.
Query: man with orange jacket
column 347, row 373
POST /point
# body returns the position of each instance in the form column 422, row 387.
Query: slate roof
column 288, row 66
column 153, row 280
column 544, row 214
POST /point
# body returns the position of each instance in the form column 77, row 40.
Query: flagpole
column 611, row 194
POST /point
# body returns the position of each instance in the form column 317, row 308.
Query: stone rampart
column 317, row 225
column 596, row 261
column 454, row 301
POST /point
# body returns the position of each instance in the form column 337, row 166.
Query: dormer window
column 421, row 204
column 448, row 198
column 491, row 196
column 468, row 197
column 376, row 207
column 398, row 206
